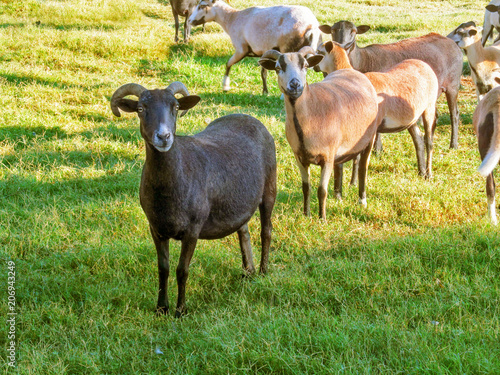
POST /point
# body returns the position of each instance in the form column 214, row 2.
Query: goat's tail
column 492, row 157
column 313, row 37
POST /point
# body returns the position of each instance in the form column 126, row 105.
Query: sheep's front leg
column 338, row 176
column 306, row 187
column 162, row 250
column 187, row 29
column 226, row 82
column 176, row 20
column 490, row 194
column 246, row 250
column 326, row 173
column 187, row 250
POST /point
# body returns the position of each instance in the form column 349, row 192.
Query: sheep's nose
column 164, row 136
column 294, row 84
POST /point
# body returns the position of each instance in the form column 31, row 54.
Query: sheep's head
column 335, row 57
column 203, row 13
column 466, row 34
column 157, row 110
column 344, row 33
column 291, row 68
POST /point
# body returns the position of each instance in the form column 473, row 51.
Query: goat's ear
column 362, row 29
column 268, row 64
column 314, row 60
column 188, row 102
column 127, row 105
column 328, row 46
column 492, row 8
column 327, row 29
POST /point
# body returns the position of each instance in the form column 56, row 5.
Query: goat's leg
column 418, row 142
column 263, row 74
column 451, row 98
column 266, row 210
column 187, row 250
column 226, row 82
column 378, row 147
column 364, row 160
column 490, row 194
column 176, row 20
column 162, row 251
column 338, row 176
column 306, row 186
column 355, row 171
column 246, row 250
column 187, row 29
column 429, row 120
column 326, row 172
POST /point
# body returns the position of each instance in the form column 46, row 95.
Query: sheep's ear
column 328, row 46
column 362, row 29
column 492, row 8
column 327, row 29
column 314, row 60
column 472, row 32
column 188, row 102
column 268, row 64
column 497, row 80
column 127, row 105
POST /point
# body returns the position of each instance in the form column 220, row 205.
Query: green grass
column 408, row 285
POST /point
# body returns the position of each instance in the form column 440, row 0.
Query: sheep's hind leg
column 363, row 171
column 226, row 82
column 266, row 210
column 246, row 250
column 418, row 142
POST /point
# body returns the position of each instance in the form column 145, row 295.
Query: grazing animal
column 204, row 186
column 442, row 55
column 486, row 121
column 491, row 21
column 183, row 8
column 255, row 30
column 484, row 62
column 405, row 92
column 328, row 122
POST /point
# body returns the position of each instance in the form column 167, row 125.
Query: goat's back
column 285, row 28
column 441, row 53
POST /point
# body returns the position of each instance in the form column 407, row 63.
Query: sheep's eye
column 140, row 109
column 278, row 68
column 177, row 107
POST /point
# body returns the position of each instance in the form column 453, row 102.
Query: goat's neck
column 475, row 53
column 225, row 15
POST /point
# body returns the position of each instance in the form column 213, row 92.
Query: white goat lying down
column 491, row 21
column 486, row 121
column 256, row 30
column 484, row 62
column 442, row 55
column 328, row 122
column 405, row 92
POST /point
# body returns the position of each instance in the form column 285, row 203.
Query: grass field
column 408, row 285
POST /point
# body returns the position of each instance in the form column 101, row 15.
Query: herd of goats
column 209, row 185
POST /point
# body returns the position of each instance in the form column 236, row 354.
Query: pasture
column 409, row 284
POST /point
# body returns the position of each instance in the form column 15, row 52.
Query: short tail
column 492, row 157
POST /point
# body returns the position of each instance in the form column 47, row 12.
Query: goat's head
column 344, row 33
column 335, row 57
column 157, row 110
column 291, row 68
column 204, row 12
column 466, row 34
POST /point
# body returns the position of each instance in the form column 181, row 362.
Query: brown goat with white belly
column 328, row 122
column 486, row 121
column 405, row 92
column 442, row 55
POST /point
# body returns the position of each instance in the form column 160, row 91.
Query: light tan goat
column 443, row 56
column 256, row 30
column 328, row 122
column 486, row 121
column 405, row 92
column 484, row 62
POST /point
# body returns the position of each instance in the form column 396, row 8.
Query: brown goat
column 442, row 55
column 204, row 186
column 405, row 92
column 486, row 121
column 328, row 122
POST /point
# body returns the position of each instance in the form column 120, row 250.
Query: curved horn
column 304, row 51
column 271, row 54
column 178, row 88
column 121, row 92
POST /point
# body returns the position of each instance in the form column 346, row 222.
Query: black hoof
column 161, row 311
